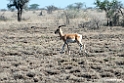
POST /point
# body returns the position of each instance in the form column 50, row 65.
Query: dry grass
column 29, row 55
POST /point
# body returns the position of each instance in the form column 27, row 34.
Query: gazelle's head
column 58, row 30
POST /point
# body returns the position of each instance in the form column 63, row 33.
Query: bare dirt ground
column 33, row 55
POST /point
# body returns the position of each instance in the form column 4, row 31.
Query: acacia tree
column 51, row 8
column 71, row 6
column 19, row 5
column 34, row 6
column 112, row 9
column 74, row 6
column 79, row 5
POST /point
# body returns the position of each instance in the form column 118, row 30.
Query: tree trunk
column 67, row 19
column 19, row 15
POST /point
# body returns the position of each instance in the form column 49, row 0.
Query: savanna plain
column 29, row 55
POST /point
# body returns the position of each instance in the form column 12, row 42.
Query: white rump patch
column 80, row 36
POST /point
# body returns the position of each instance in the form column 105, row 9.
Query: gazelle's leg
column 84, row 48
column 63, row 47
column 68, row 48
column 81, row 45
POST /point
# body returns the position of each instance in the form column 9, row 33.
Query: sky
column 44, row 3
column 57, row 3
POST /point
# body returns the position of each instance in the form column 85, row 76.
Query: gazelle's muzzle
column 55, row 32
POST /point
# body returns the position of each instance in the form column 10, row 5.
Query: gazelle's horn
column 61, row 26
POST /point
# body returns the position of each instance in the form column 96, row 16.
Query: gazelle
column 69, row 38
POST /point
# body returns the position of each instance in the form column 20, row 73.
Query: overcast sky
column 57, row 3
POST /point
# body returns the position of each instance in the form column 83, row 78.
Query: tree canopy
column 77, row 5
column 34, row 6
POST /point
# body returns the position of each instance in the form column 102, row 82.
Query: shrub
column 3, row 18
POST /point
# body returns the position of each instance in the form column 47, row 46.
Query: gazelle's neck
column 61, row 33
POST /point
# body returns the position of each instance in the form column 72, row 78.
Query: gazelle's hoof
column 61, row 52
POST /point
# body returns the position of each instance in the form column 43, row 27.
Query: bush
column 3, row 18
column 72, row 14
